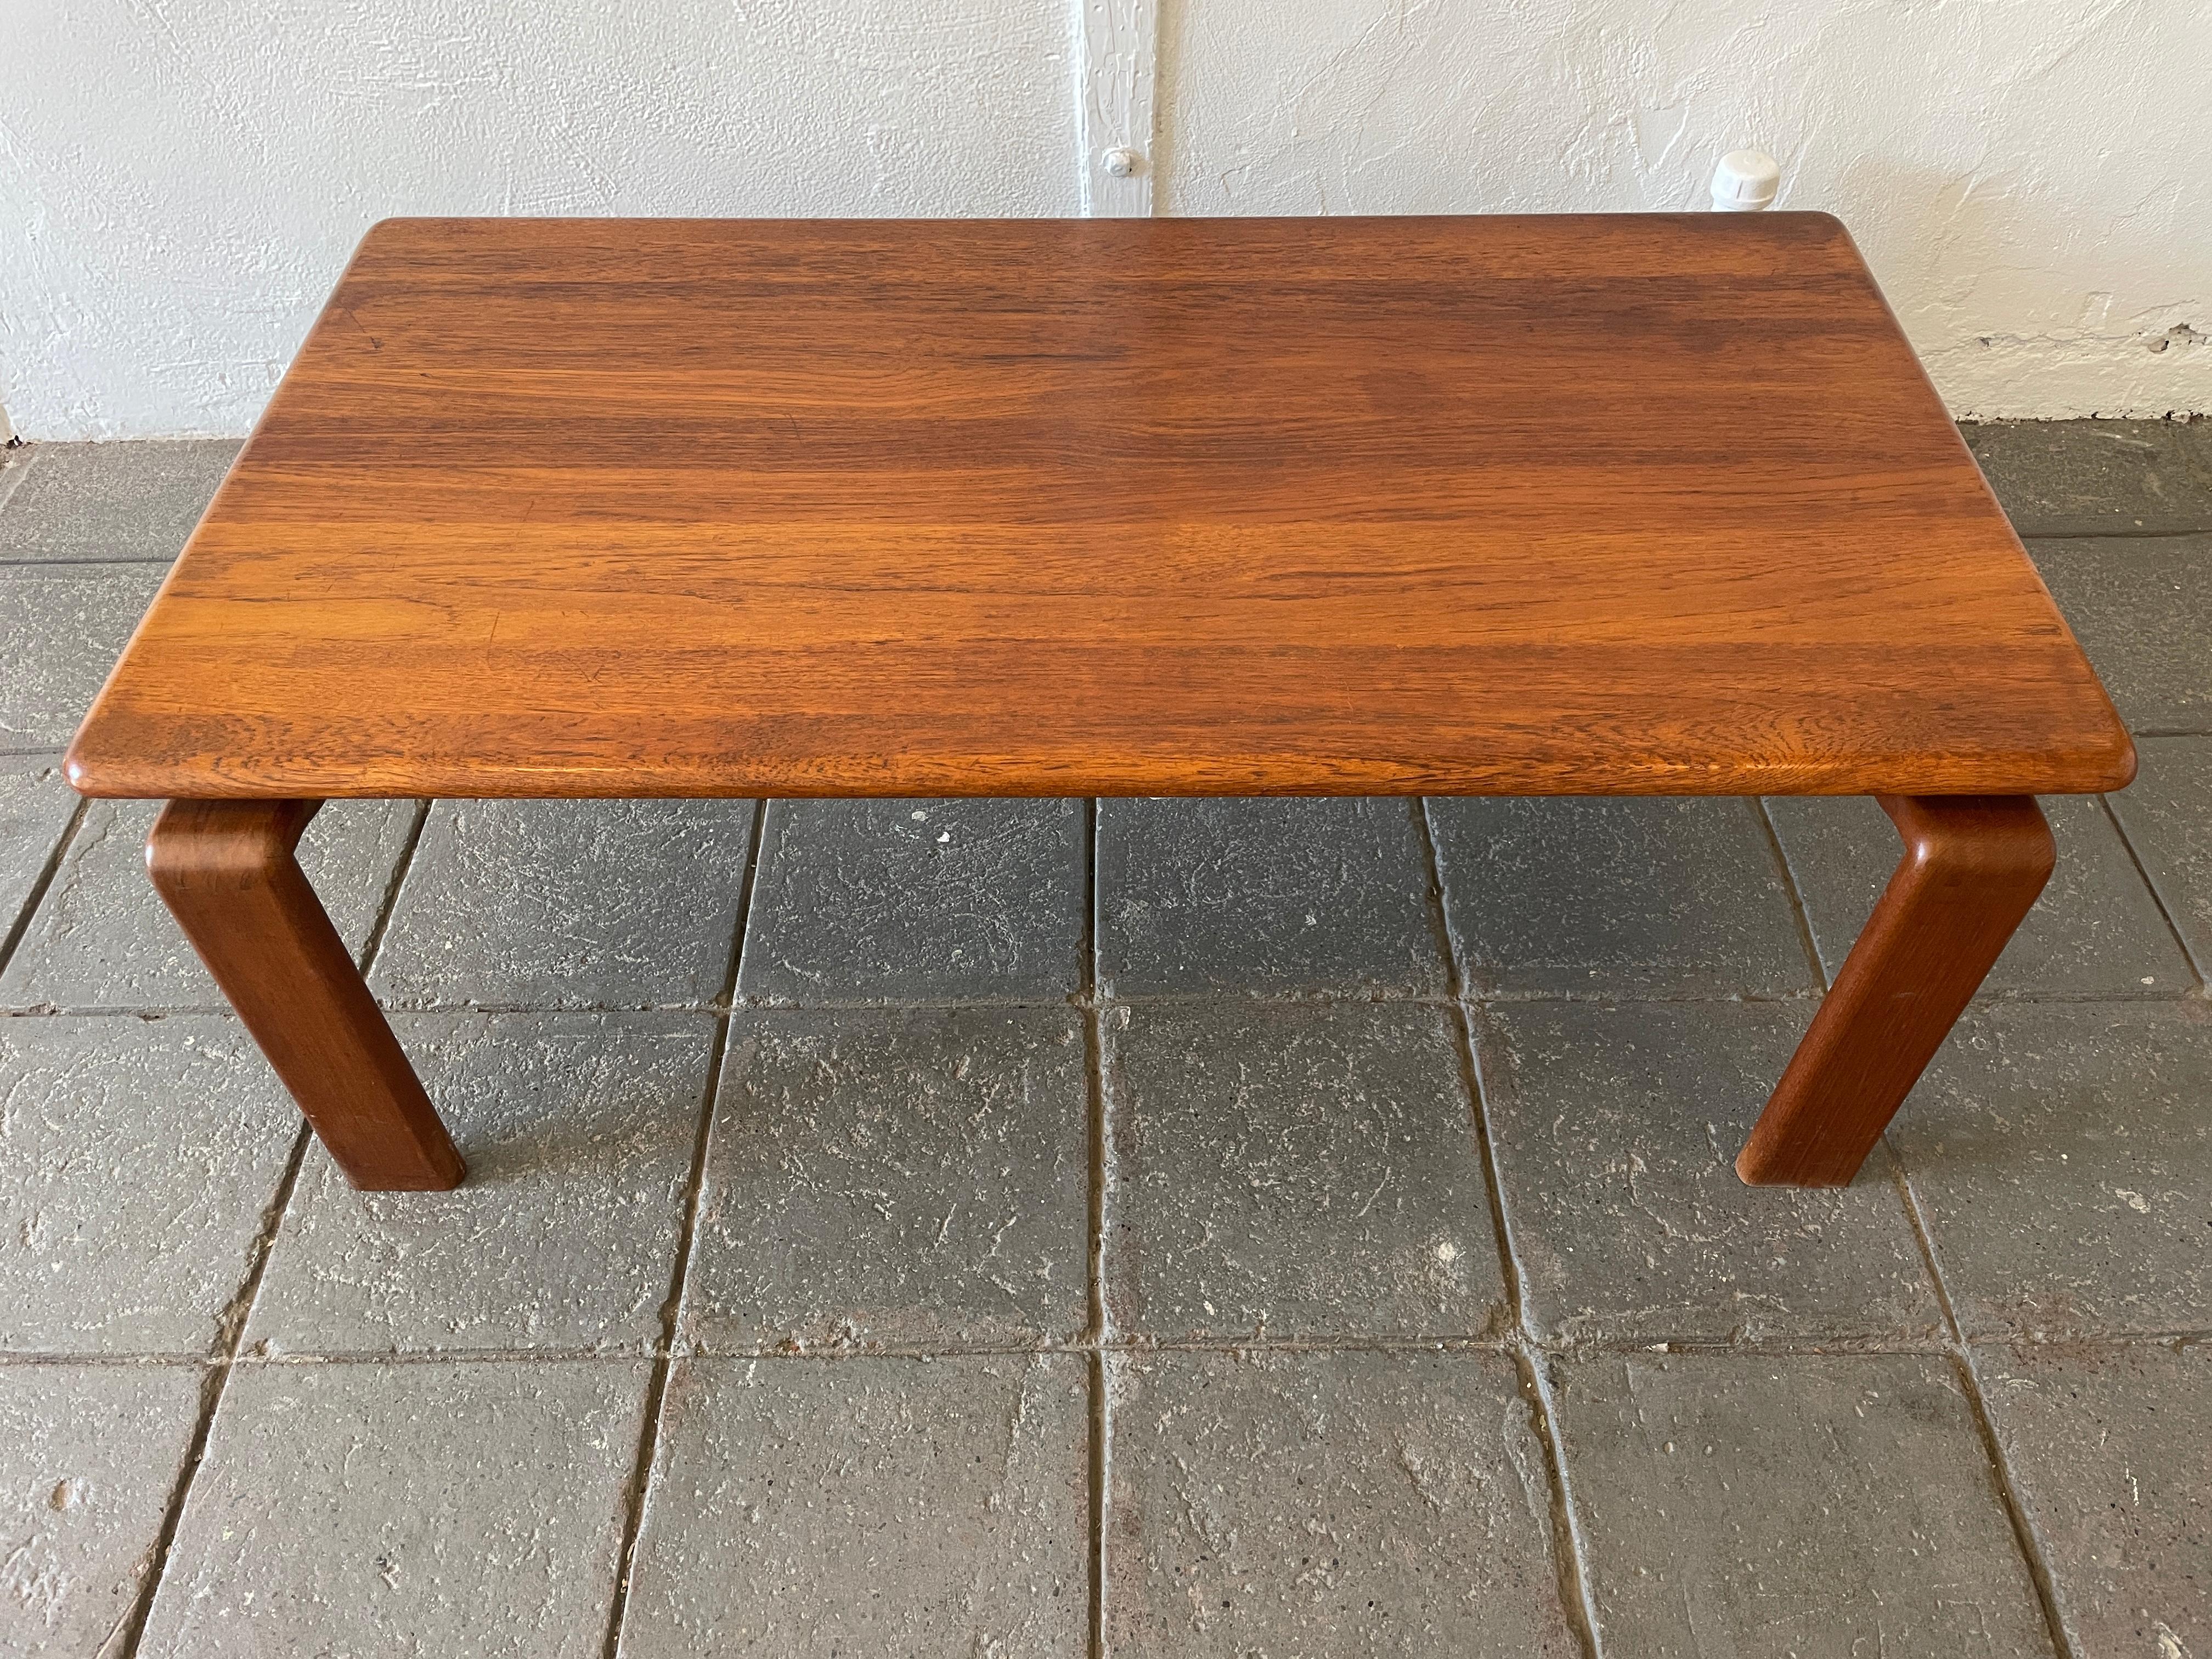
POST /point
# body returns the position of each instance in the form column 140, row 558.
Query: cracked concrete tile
column 112, row 500
column 2143, row 612
column 886, row 1505
column 2168, row 813
column 440, row 1508
column 1574, row 895
column 35, row 805
column 1825, row 1506
column 896, row 1179
column 2111, row 1452
column 1615, row 1130
column 2096, row 931
column 890, row 901
column 2060, row 1153
column 577, row 1130
column 65, row 625
column 102, row 938
column 1328, row 1504
column 138, row 1159
column 1264, row 896
column 2098, row 477
column 1295, row 1173
column 568, row 904
column 88, row 1455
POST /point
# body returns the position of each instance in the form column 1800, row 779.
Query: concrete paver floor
column 1153, row 1227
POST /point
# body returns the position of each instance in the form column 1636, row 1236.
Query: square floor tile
column 568, row 904
column 1572, row 895
column 1826, row 1507
column 1616, row 1129
column 423, row 1508
column 35, row 806
column 914, row 1178
column 1269, row 895
column 2096, row 932
column 102, row 938
column 2168, row 813
column 1328, row 1504
column 88, row 1456
column 2111, row 1452
column 2060, row 1154
column 892, row 901
column 578, row 1131
column 1295, row 1173
column 65, row 624
column 2143, row 612
column 112, row 500
column 2098, row 477
column 806, row 1507
column 137, row 1161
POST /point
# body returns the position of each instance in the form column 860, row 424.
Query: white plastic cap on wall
column 1746, row 181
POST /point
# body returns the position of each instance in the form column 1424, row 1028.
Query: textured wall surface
column 2027, row 177
column 180, row 179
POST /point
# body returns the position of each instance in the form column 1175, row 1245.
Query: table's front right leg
column 1973, row 865
column 227, row 870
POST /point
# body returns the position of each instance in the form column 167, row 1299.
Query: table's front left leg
column 227, row 870
column 1973, row 865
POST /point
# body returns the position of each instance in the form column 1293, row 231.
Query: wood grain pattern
column 1972, row 868
column 1658, row 504
column 227, row 872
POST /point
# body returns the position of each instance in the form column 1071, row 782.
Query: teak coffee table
column 1652, row 505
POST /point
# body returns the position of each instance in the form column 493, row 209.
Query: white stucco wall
column 2030, row 179
column 180, row 179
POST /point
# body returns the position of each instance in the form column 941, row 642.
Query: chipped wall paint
column 180, row 179
column 2027, row 177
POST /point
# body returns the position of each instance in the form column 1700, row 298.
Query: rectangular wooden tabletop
column 1650, row 505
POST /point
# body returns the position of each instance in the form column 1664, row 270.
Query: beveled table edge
column 2110, row 767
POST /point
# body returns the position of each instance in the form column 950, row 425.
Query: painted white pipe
column 1746, row 181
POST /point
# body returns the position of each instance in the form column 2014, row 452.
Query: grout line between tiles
column 1960, row 1354
column 2164, row 911
column 1098, row 1466
column 1568, row 1557
column 775, row 1352
column 679, row 1011
column 2113, row 535
column 222, row 1363
column 163, row 560
column 1805, row 938
column 1101, row 1467
column 230, row 1332
column 1955, row 1346
column 390, row 903
column 1570, row 1550
column 1433, row 897
column 20, row 928
column 672, row 1310
column 1471, row 1075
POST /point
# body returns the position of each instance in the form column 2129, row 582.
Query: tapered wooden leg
column 1973, row 865
column 227, row 870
